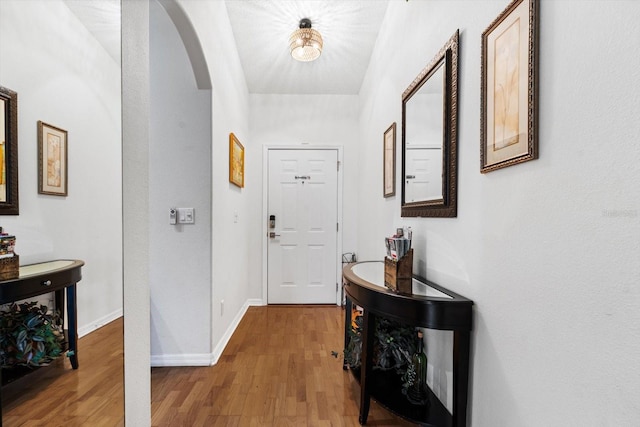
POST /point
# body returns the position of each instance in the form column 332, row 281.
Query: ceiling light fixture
column 305, row 43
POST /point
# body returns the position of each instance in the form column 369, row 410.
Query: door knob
column 273, row 235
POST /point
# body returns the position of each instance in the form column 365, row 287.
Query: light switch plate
column 186, row 216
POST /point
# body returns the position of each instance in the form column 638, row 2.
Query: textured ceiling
column 262, row 28
column 102, row 19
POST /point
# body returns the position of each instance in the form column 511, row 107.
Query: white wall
column 229, row 113
column 65, row 78
column 329, row 120
column 548, row 250
column 555, row 324
column 180, row 176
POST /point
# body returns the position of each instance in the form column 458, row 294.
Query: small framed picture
column 389, row 161
column 509, row 88
column 52, row 160
column 236, row 161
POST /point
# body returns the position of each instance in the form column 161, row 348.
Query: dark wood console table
column 432, row 307
column 42, row 278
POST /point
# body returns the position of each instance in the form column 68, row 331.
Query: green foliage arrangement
column 29, row 335
column 394, row 345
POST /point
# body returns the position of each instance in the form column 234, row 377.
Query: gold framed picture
column 52, row 160
column 236, row 161
column 509, row 88
column 389, row 161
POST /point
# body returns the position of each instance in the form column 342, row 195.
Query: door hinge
column 338, row 166
column 336, row 286
column 337, row 226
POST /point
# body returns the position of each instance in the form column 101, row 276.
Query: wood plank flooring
column 60, row 396
column 277, row 370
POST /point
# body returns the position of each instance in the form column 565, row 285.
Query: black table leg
column 461, row 348
column 72, row 316
column 0, row 397
column 58, row 301
column 368, row 335
column 347, row 327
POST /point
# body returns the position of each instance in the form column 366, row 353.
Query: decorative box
column 398, row 274
column 10, row 267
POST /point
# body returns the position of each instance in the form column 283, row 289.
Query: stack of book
column 7, row 245
column 9, row 260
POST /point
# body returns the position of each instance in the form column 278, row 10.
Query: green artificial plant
column 30, row 335
column 393, row 347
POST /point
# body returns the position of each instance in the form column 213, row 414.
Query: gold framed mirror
column 69, row 76
column 430, row 137
column 8, row 152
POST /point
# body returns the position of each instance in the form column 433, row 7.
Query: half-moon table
column 430, row 306
column 42, row 278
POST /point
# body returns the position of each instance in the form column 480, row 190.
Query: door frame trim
column 265, row 214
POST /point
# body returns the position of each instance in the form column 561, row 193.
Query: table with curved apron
column 430, row 306
column 52, row 276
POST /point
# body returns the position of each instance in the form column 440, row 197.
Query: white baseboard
column 217, row 351
column 204, row 359
column 98, row 323
column 167, row 360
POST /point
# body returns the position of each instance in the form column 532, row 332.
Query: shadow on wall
column 438, row 262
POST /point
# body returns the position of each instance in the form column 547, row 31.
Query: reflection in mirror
column 62, row 58
column 429, row 137
column 424, row 138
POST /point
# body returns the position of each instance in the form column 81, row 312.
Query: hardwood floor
column 60, row 396
column 277, row 370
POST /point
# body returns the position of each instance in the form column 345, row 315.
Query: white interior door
column 423, row 179
column 302, row 248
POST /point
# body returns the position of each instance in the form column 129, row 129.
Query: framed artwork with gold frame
column 389, row 161
column 236, row 161
column 52, row 160
column 509, row 107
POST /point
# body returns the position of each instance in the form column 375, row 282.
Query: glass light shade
column 305, row 44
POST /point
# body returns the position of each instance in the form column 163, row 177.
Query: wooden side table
column 436, row 308
column 52, row 276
